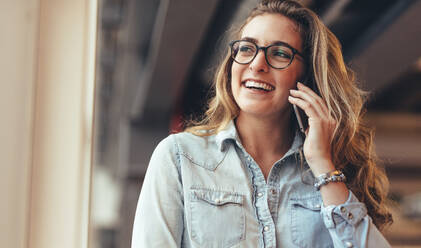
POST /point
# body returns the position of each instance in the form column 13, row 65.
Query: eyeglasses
column 278, row 55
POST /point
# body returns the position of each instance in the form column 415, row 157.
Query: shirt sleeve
column 159, row 213
column 349, row 225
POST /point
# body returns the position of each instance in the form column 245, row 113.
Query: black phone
column 301, row 119
column 300, row 115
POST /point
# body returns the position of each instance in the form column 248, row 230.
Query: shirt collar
column 224, row 136
column 297, row 144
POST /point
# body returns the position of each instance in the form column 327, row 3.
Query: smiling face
column 271, row 99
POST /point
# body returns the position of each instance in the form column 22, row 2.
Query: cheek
column 237, row 71
column 295, row 76
column 286, row 82
column 233, row 79
column 301, row 71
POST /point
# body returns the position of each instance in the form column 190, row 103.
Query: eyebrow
column 249, row 39
column 277, row 42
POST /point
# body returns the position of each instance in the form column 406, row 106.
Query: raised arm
column 345, row 217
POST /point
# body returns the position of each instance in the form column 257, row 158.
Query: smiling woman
column 268, row 30
column 244, row 176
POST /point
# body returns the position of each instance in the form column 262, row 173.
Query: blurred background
column 155, row 63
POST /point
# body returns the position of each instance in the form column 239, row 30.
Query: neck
column 263, row 137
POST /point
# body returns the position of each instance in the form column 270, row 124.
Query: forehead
column 269, row 28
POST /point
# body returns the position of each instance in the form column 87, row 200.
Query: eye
column 281, row 52
column 246, row 49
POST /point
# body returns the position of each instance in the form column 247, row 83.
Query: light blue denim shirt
column 209, row 192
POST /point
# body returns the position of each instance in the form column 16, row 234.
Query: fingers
column 313, row 94
column 309, row 101
column 304, row 105
column 312, row 103
column 307, row 89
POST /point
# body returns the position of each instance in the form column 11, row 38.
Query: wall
column 18, row 26
column 46, row 107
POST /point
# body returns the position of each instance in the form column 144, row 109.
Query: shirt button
column 350, row 216
column 349, row 244
column 266, row 228
column 317, row 206
column 217, row 201
column 343, row 210
column 260, row 194
column 273, row 191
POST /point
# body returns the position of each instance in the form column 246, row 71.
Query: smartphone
column 301, row 119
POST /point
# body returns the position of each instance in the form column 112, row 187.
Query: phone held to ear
column 301, row 116
column 301, row 119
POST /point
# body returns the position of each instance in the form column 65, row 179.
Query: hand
column 317, row 145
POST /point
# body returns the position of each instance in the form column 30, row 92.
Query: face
column 271, row 99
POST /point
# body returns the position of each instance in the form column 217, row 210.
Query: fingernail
column 299, row 84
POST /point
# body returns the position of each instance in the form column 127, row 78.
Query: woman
column 240, row 177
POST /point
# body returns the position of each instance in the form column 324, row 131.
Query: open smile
column 258, row 85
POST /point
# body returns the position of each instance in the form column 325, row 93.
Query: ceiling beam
column 184, row 26
column 392, row 52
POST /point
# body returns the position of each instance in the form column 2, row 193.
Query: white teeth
column 258, row 85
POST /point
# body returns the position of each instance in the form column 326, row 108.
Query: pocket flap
column 216, row 197
column 313, row 203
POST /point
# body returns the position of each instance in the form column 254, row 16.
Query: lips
column 258, row 85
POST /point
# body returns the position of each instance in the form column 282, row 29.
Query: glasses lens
column 279, row 56
column 243, row 52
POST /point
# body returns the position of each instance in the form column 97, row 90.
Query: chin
column 259, row 112
column 264, row 111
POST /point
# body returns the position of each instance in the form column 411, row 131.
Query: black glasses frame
column 264, row 49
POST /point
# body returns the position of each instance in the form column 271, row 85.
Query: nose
column 259, row 63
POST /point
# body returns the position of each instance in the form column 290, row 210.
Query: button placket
column 273, row 191
column 260, row 188
column 249, row 159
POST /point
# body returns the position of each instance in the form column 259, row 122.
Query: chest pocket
column 307, row 226
column 216, row 218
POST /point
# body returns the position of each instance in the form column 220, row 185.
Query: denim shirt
column 209, row 192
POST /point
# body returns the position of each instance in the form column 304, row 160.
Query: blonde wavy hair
column 352, row 144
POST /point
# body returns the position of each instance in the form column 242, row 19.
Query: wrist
column 321, row 167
